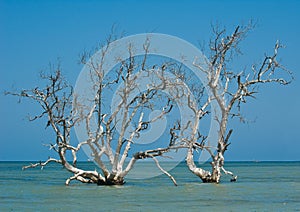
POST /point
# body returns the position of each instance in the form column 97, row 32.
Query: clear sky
column 34, row 33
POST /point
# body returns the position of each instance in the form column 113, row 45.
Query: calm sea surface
column 262, row 186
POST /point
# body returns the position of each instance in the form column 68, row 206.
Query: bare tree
column 111, row 132
column 230, row 89
column 64, row 110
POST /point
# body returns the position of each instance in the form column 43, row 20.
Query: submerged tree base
column 109, row 182
column 210, row 180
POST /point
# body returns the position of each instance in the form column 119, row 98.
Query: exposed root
column 234, row 177
column 86, row 177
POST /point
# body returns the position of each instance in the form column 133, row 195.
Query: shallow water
column 262, row 186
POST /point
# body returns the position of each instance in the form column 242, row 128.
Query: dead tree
column 56, row 101
column 230, row 89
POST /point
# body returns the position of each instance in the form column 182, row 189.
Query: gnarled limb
column 41, row 164
column 203, row 174
column 164, row 171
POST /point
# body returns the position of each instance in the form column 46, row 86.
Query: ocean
column 261, row 186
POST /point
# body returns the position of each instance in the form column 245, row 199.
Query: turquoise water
column 263, row 186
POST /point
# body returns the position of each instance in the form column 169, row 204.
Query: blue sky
column 34, row 33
